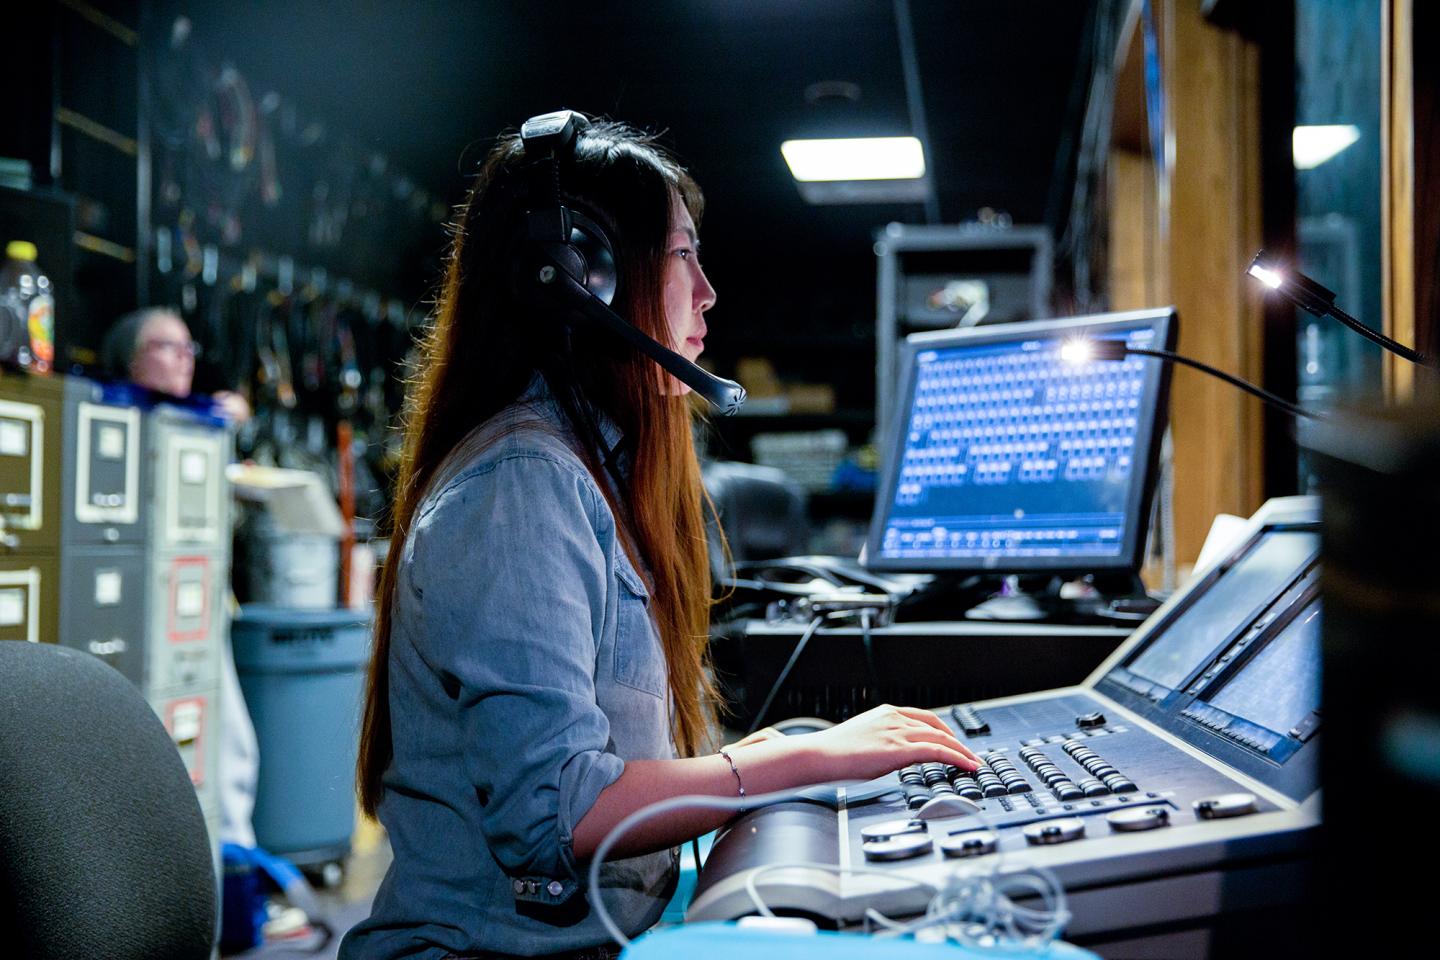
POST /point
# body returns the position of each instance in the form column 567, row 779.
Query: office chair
column 103, row 848
column 762, row 512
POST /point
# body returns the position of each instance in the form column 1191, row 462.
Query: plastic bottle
column 26, row 290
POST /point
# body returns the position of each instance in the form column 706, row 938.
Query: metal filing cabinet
column 102, row 558
column 30, row 469
column 193, row 722
column 28, row 598
column 186, row 517
column 101, row 493
column 187, row 621
column 30, row 451
column 188, row 548
column 188, row 454
column 104, row 609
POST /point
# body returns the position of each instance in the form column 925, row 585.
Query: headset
column 566, row 263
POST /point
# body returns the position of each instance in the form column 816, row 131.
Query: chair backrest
column 103, row 848
column 762, row 512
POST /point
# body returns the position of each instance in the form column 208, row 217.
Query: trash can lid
column 266, row 615
column 270, row 639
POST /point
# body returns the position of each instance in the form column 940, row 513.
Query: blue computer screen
column 1012, row 454
column 1281, row 686
column 1188, row 643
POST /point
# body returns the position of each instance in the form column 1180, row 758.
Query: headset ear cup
column 601, row 276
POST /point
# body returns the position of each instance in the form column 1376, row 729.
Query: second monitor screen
column 1012, row 454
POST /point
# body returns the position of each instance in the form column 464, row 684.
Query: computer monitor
column 1005, row 457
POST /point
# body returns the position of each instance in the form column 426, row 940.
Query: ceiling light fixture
column 854, row 158
column 1315, row 144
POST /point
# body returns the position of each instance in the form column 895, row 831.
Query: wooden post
column 1211, row 80
column 1397, row 212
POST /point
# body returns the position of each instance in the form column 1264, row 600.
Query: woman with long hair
column 538, row 667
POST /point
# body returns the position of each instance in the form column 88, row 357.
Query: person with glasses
column 152, row 348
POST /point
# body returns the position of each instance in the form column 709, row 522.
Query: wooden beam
column 1212, row 91
column 1397, row 211
column 1426, row 206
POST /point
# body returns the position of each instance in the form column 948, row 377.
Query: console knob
column 886, row 829
column 1226, row 805
column 1087, row 720
column 971, row 843
column 1138, row 818
column 1055, row 831
column 903, row 847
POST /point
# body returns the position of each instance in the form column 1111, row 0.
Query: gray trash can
column 302, row 674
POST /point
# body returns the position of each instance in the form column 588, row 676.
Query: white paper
column 14, row 438
column 192, row 467
column 12, row 607
column 190, row 599
column 107, row 588
column 110, row 443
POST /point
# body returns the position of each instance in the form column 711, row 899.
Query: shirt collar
column 538, row 393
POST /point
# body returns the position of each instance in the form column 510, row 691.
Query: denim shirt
column 525, row 670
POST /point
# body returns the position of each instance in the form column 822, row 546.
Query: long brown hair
column 481, row 351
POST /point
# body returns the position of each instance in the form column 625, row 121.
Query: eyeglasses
column 176, row 348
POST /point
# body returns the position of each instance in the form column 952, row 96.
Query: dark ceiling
column 428, row 83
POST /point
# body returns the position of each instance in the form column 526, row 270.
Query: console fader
column 1180, row 777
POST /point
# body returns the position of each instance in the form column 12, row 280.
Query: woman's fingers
column 968, row 761
column 940, row 753
column 930, row 720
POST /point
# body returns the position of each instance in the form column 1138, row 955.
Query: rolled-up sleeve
column 510, row 576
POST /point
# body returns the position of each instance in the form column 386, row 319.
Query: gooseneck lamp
column 1320, row 301
column 1086, row 350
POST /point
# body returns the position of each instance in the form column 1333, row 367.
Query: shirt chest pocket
column 639, row 658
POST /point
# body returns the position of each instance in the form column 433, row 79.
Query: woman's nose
column 704, row 293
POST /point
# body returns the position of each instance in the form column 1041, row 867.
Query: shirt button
column 555, row 888
column 534, row 886
column 519, row 886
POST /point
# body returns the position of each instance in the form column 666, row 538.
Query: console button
column 887, row 829
column 902, row 847
column 1138, row 818
column 1226, row 805
column 971, row 843
column 1055, row 831
column 1087, row 720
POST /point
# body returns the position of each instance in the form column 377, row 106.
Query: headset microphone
column 726, row 396
column 568, row 262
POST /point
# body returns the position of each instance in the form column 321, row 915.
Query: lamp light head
column 1080, row 350
column 1296, row 287
column 1076, row 351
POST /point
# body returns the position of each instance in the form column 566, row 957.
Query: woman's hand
column 885, row 739
column 759, row 736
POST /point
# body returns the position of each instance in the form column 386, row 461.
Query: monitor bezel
column 1164, row 320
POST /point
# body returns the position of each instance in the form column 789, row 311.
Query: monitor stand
column 1113, row 599
column 1013, row 603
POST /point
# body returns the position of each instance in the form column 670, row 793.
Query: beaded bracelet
column 740, row 784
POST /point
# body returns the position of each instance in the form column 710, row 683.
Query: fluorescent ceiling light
column 855, row 158
column 1314, row 145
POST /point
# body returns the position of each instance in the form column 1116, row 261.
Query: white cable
column 687, row 801
column 976, row 903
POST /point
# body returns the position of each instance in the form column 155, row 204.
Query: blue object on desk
column 689, row 875
column 723, row 941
